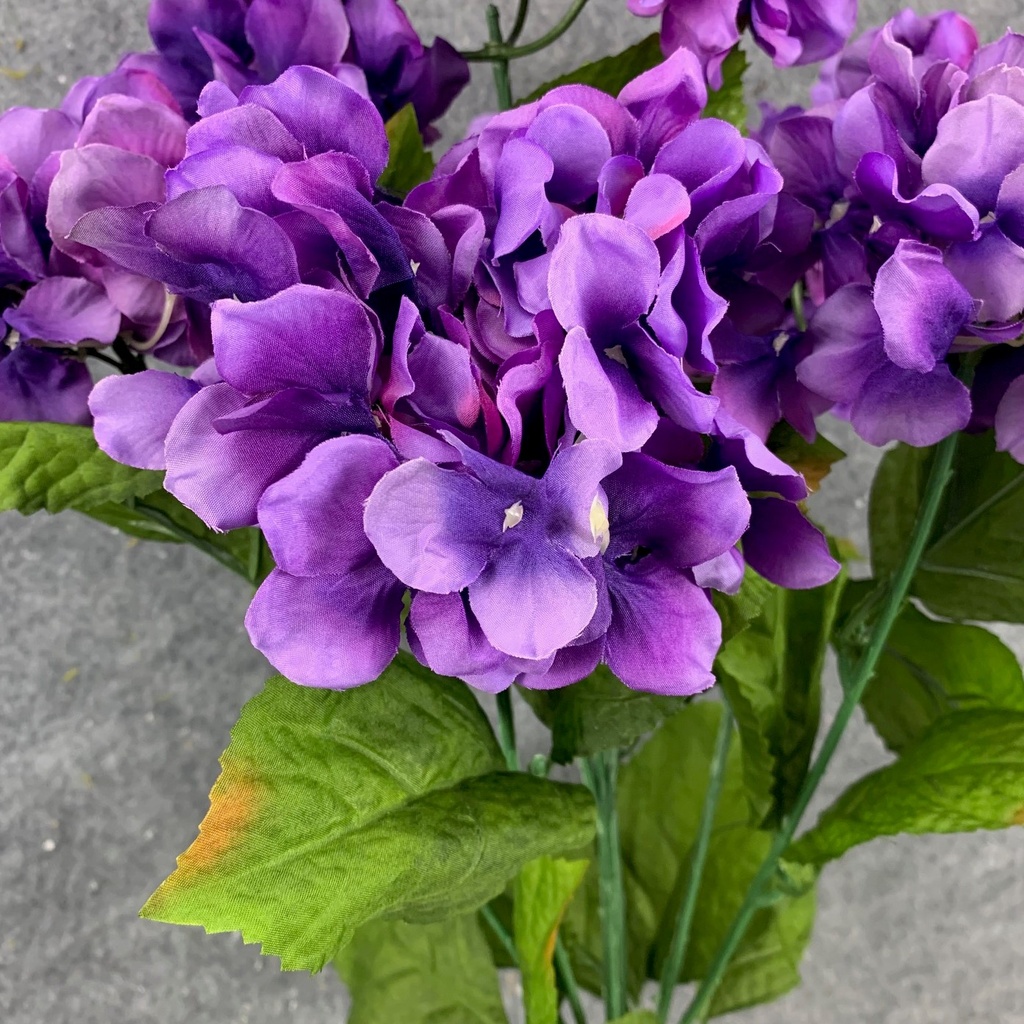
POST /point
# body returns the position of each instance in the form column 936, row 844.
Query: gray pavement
column 123, row 665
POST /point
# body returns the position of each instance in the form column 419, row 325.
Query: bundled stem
column 684, row 922
column 860, row 676
column 600, row 772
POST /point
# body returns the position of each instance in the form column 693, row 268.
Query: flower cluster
column 911, row 168
column 493, row 401
column 789, row 31
column 368, row 44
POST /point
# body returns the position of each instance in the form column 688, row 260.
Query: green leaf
column 728, row 103
column 54, row 466
column 610, row 74
column 814, row 459
column 930, row 668
column 334, row 809
column 661, row 793
column 409, row 163
column 421, row 974
column 973, row 567
column 771, row 673
column 161, row 517
column 965, row 773
column 738, row 610
column 639, row 1017
column 543, row 891
column 598, row 713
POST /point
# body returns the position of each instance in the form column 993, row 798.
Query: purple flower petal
column 302, row 337
column 921, row 305
column 786, row 547
column 1009, row 422
column 603, row 276
column 140, row 126
column 248, row 126
column 65, row 309
column 435, row 529
column 557, row 594
column 917, row 408
column 288, row 32
column 649, row 604
column 658, row 204
column 992, row 270
column 133, row 415
column 28, row 136
column 37, row 385
column 313, row 518
column 578, row 147
column 519, row 194
column 604, row 400
column 329, row 631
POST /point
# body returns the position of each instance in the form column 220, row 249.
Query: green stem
column 495, row 49
column 224, row 557
column 257, row 547
column 938, row 479
column 684, row 922
column 502, row 84
column 503, row 936
column 520, row 23
column 797, row 297
column 567, row 982
column 600, row 772
column 507, row 730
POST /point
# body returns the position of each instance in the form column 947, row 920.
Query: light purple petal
column 141, row 126
column 133, row 415
column 604, row 274
column 65, row 309
column 604, row 401
column 658, row 204
column 1010, row 421
column 329, row 631
column 288, row 32
column 249, row 126
column 921, row 305
column 533, row 599
column 519, row 193
column 578, row 147
column 992, row 270
column 28, row 136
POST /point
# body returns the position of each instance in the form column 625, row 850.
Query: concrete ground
column 123, row 665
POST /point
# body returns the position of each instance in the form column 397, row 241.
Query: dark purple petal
column 133, row 414
column 1009, row 421
column 917, row 408
column 578, row 147
column 37, row 385
column 303, row 337
column 787, row 548
column 65, row 309
column 329, row 631
column 313, row 518
column 287, row 32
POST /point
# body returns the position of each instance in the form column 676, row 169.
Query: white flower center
column 513, row 516
column 599, row 526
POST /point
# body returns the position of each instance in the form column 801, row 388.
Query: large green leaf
column 965, row 773
column 409, row 163
column 930, row 668
column 609, row 74
column 543, row 891
column 973, row 567
column 439, row 973
column 54, row 466
column 335, row 809
column 661, row 793
column 598, row 713
column 639, row 1017
column 738, row 610
column 771, row 673
column 728, row 103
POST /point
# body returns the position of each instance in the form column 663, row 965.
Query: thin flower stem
column 567, row 982
column 684, row 922
column 600, row 772
column 257, row 546
column 860, row 676
column 502, row 83
column 507, row 730
column 520, row 23
column 500, row 931
column 495, row 50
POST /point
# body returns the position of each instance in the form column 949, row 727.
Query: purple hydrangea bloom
column 275, row 187
column 789, row 31
column 114, row 137
column 368, row 44
column 911, row 170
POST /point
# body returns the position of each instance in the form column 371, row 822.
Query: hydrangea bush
column 539, row 421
